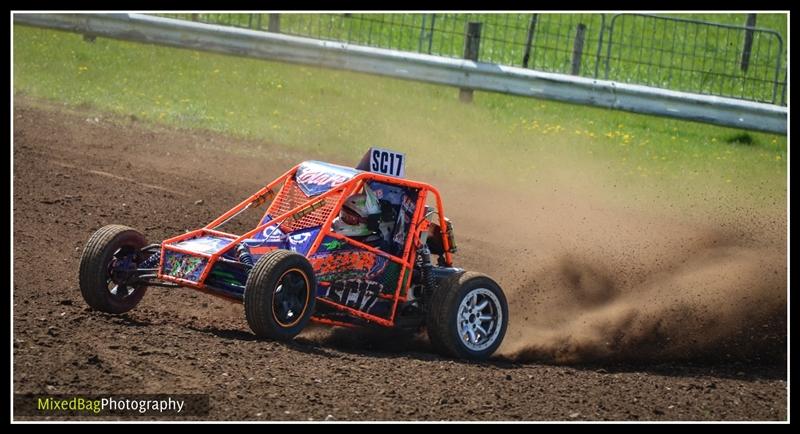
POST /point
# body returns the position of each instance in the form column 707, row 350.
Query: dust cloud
column 719, row 302
column 591, row 280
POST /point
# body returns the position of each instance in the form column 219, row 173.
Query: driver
column 360, row 219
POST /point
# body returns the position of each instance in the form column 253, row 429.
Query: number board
column 387, row 162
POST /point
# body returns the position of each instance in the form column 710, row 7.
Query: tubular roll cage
column 418, row 224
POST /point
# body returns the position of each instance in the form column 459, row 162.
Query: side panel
column 355, row 278
column 183, row 266
column 228, row 276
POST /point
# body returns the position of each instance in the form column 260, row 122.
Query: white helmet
column 352, row 219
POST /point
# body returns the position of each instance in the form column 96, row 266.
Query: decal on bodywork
column 390, row 193
column 355, row 277
column 183, row 266
column 316, row 177
column 228, row 276
column 298, row 241
column 339, row 265
column 355, row 293
column 333, row 244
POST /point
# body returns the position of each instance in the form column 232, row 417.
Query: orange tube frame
column 344, row 189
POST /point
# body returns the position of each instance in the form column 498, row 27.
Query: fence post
column 748, row 41
column 422, row 33
column 577, row 49
column 195, row 17
column 430, row 35
column 472, row 43
column 528, row 40
column 274, row 23
column 785, row 83
column 599, row 44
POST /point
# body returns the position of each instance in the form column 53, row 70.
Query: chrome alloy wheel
column 479, row 318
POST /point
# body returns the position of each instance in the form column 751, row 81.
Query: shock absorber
column 427, row 267
column 244, row 254
column 152, row 261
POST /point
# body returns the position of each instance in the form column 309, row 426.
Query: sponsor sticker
column 315, row 177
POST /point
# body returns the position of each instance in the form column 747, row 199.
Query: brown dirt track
column 591, row 338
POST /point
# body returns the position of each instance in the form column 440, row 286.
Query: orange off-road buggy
column 294, row 267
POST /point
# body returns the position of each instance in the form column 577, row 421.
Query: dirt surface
column 651, row 318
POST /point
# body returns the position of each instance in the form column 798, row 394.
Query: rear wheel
column 108, row 262
column 468, row 317
column 280, row 295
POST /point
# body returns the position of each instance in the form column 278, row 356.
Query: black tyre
column 280, row 295
column 468, row 317
column 110, row 256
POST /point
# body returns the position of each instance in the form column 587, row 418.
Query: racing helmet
column 352, row 218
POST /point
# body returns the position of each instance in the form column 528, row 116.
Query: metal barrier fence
column 465, row 74
column 673, row 53
column 695, row 56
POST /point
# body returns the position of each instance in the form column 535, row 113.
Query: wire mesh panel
column 290, row 197
column 504, row 37
column 694, row 56
column 393, row 31
column 654, row 50
column 553, row 42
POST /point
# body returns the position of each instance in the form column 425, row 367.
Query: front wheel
column 468, row 317
column 108, row 263
column 280, row 295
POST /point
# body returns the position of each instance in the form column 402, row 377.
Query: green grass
column 655, row 52
column 498, row 138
